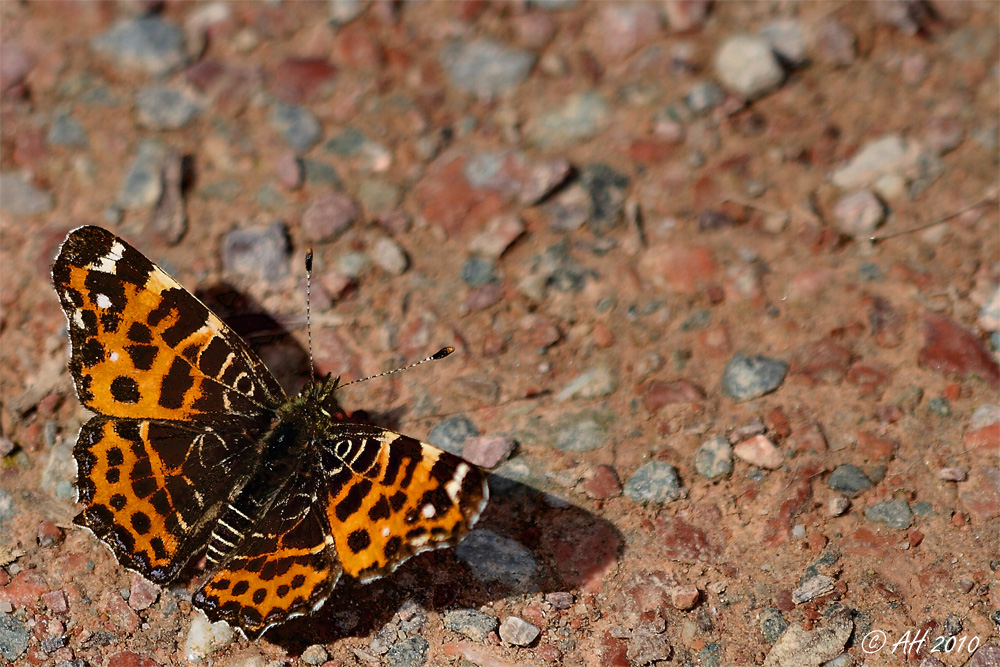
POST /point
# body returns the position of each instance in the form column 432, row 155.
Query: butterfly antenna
column 440, row 354
column 309, row 331
column 985, row 200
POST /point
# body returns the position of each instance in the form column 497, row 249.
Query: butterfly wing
column 143, row 346
column 389, row 496
column 146, row 490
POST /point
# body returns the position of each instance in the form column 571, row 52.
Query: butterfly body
column 196, row 449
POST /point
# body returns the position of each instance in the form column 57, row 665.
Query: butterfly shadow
column 525, row 542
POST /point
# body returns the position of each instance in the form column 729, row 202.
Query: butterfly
column 196, row 449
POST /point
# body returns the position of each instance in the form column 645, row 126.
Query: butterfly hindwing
column 143, row 346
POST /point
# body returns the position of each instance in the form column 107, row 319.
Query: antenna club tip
column 309, row 259
column 442, row 353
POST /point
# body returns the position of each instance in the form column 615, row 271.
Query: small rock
column 488, row 451
column 542, row 178
column 411, row 652
column 812, row 588
column 518, row 632
column 603, row 483
column 989, row 316
column 328, row 216
column 950, row 348
column 56, row 601
column 259, row 253
column 647, row 647
column 952, row 474
column 607, row 190
column 205, row 639
column 577, row 120
column 704, row 96
column 485, row 67
column 19, row 196
column 298, row 80
column 686, row 15
column 893, row 513
column 143, row 185
column 582, row 432
column 15, row 64
column 501, row 231
column 164, row 108
column 746, row 378
column 849, row 480
column 314, row 655
column 655, row 482
column 495, row 559
column 980, row 493
column 788, row 41
column 478, row 271
column 147, row 43
column 297, row 124
column 837, row 505
column 887, row 155
column 760, row 452
column 600, row 380
column 142, row 593
column 624, row 28
column 317, row 172
column 943, row 134
column 772, row 624
column 797, row 647
column 559, row 599
column 568, row 210
column 470, row 623
column 452, row 433
column 659, row 394
column 66, row 131
column 714, row 459
column 859, row 214
column 14, row 637
column 746, row 65
column 389, row 256
column 835, row 43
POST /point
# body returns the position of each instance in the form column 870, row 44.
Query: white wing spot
column 113, row 356
column 107, row 263
column 103, row 301
column 386, row 531
column 428, row 511
column 454, row 485
column 78, row 319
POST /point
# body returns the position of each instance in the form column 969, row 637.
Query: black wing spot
column 359, row 540
column 118, row 501
column 259, row 595
column 241, row 587
column 125, row 390
column 141, row 522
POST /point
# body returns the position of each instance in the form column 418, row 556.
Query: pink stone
column 142, row 593
column 685, row 542
column 130, row 659
column 24, row 589
column 659, row 394
column 328, row 216
column 822, row 362
column 950, row 348
column 300, row 79
column 980, row 494
column 887, row 325
column 623, row 28
column 117, row 609
column 603, row 483
column 501, row 231
column 985, row 440
column 685, row 596
column 483, row 297
column 685, row 269
column 55, row 601
column 808, row 438
column 15, row 63
column 488, row 451
column 289, row 170
column 686, row 15
column 759, row 451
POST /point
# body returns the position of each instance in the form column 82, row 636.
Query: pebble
column 297, row 124
column 15, row 64
column 542, row 178
column 989, row 315
column 164, row 108
column 317, row 172
column 835, row 43
column 797, row 646
column 478, row 271
column 655, row 482
column 298, row 80
column 624, row 28
column 568, row 210
column 886, row 155
column 746, row 378
column 205, row 639
column 649, row 646
column 518, row 632
column 389, row 256
column 314, row 655
column 582, row 432
column 759, row 451
column 812, row 588
column 849, row 480
column 470, row 623
column 411, row 652
column 600, row 380
column 943, row 134
column 14, row 637
column 837, row 505
column 788, row 40
column 686, row 15
column 495, row 559
column 577, row 120
column 980, row 493
column 259, row 254
column 952, row 474
column 488, row 451
column 56, row 601
column 451, row 434
column 859, row 214
column 951, row 349
column 142, row 593
column 144, row 183
column 746, row 65
column 603, row 483
column 659, row 394
column 147, row 43
column 607, row 191
column 66, row 131
column 500, row 232
column 485, row 67
column 714, row 459
column 328, row 216
column 704, row 96
column 893, row 513
column 772, row 624
column 352, row 264
column 19, row 196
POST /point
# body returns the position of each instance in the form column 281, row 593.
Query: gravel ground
column 725, row 426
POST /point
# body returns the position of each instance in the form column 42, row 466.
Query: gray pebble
column 704, row 96
column 578, row 119
column 607, row 190
column 655, row 482
column 746, row 378
column 66, row 131
column 146, row 43
column 164, row 108
column 478, row 271
column 886, row 155
column 849, row 480
column 470, row 623
column 14, row 637
column 411, row 652
column 594, row 382
column 348, row 143
column 485, row 67
column 314, row 655
column 772, row 624
column 317, row 172
column 19, row 196
column 859, row 214
column 495, row 559
column 893, row 513
column 747, row 66
column 143, row 183
column 452, row 433
column 389, row 256
column 714, row 459
column 518, row 632
column 257, row 253
column 582, row 432
column 298, row 125
column 811, row 588
column 788, row 41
